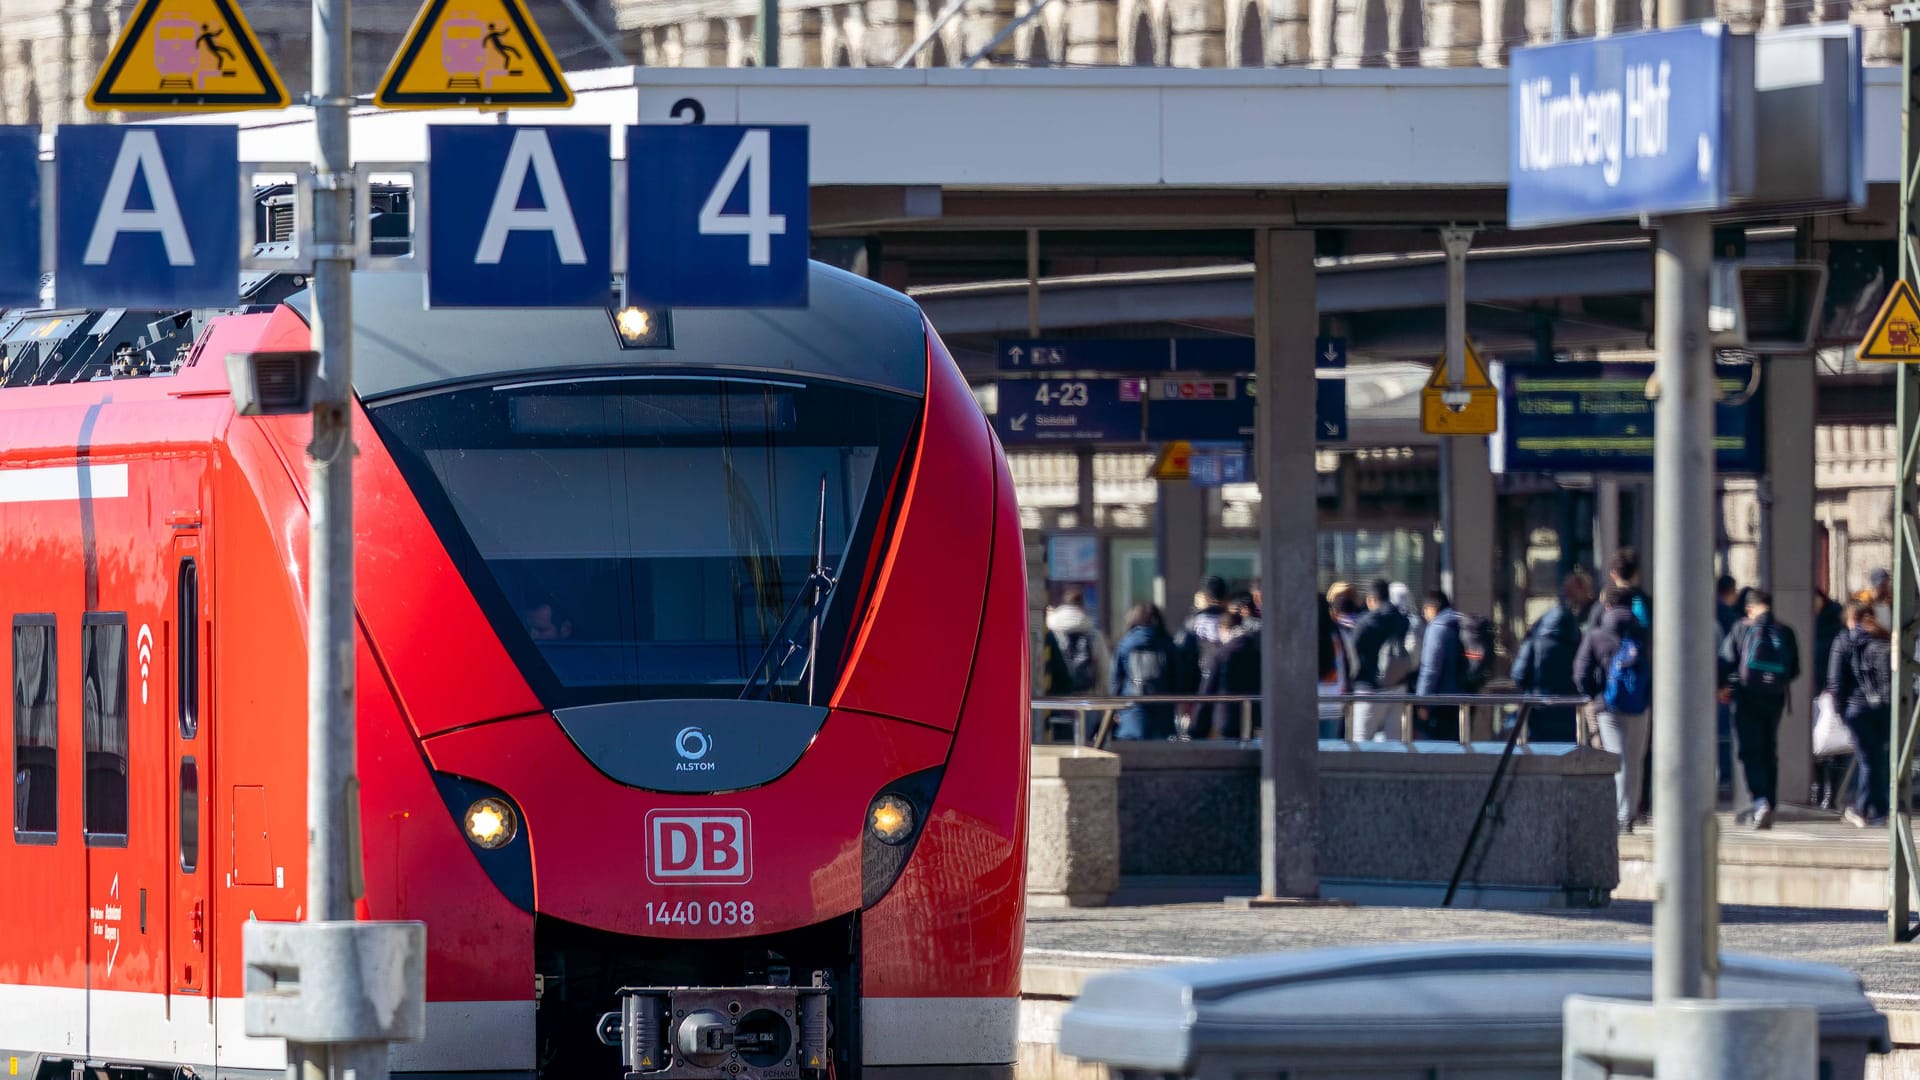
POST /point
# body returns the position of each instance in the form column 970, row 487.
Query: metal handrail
column 1108, row 704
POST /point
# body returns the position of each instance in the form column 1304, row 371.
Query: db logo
column 708, row 846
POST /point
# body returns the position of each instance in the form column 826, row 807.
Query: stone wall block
column 1452, row 34
column 1073, row 832
column 1197, row 50
column 1870, row 514
column 1197, row 16
column 1092, row 26
column 1287, row 42
column 979, row 22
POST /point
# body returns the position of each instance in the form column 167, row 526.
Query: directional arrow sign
column 1330, row 395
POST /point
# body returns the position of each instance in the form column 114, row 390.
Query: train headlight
column 642, row 328
column 891, row 819
column 634, row 323
column 491, row 823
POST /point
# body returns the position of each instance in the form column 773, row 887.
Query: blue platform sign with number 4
column 717, row 215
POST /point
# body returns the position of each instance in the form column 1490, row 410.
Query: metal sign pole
column 332, row 801
column 336, row 989
column 1902, row 867
column 1685, row 840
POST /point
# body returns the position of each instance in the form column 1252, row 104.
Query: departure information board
column 1590, row 417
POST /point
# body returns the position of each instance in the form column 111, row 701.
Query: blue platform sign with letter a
column 521, row 216
column 717, row 215
column 20, row 217
column 1616, row 127
column 148, row 217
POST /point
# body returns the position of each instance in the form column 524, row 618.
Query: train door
column 118, row 1014
column 189, row 897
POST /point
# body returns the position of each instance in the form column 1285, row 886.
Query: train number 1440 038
column 695, row 913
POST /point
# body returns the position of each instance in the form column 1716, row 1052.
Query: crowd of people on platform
column 1375, row 641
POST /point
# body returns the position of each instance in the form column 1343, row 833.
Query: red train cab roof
column 851, row 330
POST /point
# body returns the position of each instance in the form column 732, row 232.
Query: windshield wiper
column 806, row 609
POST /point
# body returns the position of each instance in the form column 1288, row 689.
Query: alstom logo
column 713, row 847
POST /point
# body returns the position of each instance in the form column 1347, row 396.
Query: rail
column 1047, row 711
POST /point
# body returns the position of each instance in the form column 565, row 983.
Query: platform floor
column 1127, row 936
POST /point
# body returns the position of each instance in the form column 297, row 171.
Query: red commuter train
column 692, row 685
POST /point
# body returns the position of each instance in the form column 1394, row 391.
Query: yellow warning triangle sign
column 467, row 53
column 1175, row 461
column 1476, row 378
column 1895, row 335
column 186, row 56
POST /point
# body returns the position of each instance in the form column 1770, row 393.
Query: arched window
column 1039, row 50
column 1144, row 52
column 1253, row 36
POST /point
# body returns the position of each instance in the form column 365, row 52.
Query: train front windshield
column 659, row 536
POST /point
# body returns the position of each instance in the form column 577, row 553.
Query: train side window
column 188, row 619
column 36, row 731
column 103, row 727
column 189, row 814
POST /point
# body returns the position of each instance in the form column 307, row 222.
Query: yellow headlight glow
column 491, row 823
column 634, row 323
column 891, row 819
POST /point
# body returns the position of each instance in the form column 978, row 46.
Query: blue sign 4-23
column 717, row 215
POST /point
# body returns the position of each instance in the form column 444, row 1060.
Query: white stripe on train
column 62, row 483
column 462, row 1036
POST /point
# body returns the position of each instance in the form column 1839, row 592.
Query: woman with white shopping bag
column 1860, row 683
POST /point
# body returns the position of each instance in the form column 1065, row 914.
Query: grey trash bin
column 1454, row 1010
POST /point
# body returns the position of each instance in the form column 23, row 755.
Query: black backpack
column 1873, row 671
column 1763, row 663
column 1476, row 640
column 1077, row 652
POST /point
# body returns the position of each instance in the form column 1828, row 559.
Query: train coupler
column 721, row 1033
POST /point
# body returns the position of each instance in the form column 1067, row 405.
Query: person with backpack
column 1382, row 662
column 1083, row 648
column 1611, row 667
column 1860, row 676
column 1544, row 662
column 1193, row 646
column 1443, row 667
column 1235, row 670
column 1141, row 664
column 1758, row 661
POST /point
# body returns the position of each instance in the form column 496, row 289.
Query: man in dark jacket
column 1757, row 663
column 1380, row 635
column 1235, row 670
column 1623, row 728
column 1443, row 667
column 1726, row 613
column 1544, row 662
column 1193, row 646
